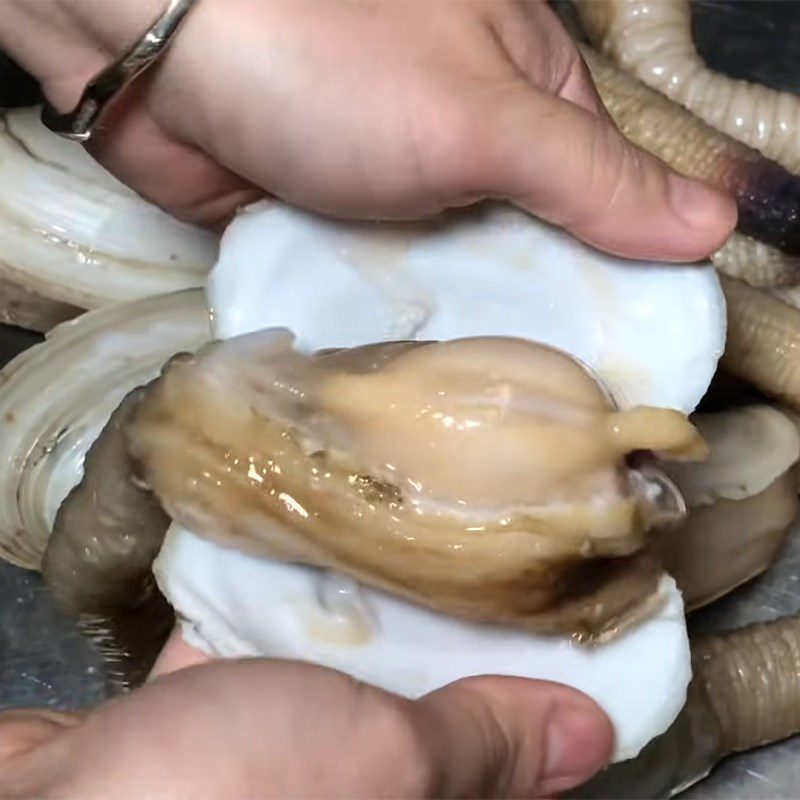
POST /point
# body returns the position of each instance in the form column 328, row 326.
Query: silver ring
column 106, row 85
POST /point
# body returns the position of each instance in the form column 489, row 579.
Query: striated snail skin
column 745, row 693
column 653, row 40
column 741, row 501
column 763, row 342
column 482, row 477
column 98, row 559
column 767, row 195
column 756, row 263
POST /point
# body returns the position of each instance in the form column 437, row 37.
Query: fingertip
column 577, row 736
column 660, row 215
column 515, row 737
column 576, row 170
column 709, row 215
column 579, row 741
column 692, row 222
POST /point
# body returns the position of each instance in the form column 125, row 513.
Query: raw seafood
column 636, row 325
column 767, row 195
column 653, row 40
column 741, row 501
column 480, row 477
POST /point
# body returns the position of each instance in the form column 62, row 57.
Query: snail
column 743, row 695
column 762, row 252
column 762, row 342
column 653, row 41
column 612, row 330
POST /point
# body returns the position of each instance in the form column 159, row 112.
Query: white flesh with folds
column 236, row 605
column 652, row 333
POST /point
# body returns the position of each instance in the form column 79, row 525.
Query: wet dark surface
column 753, row 40
column 43, row 659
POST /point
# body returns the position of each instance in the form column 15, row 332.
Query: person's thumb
column 573, row 168
column 280, row 729
column 509, row 737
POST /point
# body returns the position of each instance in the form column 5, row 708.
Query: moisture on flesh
column 484, row 478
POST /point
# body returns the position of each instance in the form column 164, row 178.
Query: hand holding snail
column 377, row 110
column 277, row 729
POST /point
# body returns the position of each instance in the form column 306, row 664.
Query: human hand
column 368, row 109
column 259, row 729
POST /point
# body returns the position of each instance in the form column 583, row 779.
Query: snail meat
column 481, row 477
column 396, row 310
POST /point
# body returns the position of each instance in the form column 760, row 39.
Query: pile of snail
column 416, row 452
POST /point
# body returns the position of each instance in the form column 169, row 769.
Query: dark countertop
column 44, row 661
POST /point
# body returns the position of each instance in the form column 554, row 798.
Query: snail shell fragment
column 742, row 501
column 56, row 397
column 72, row 237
